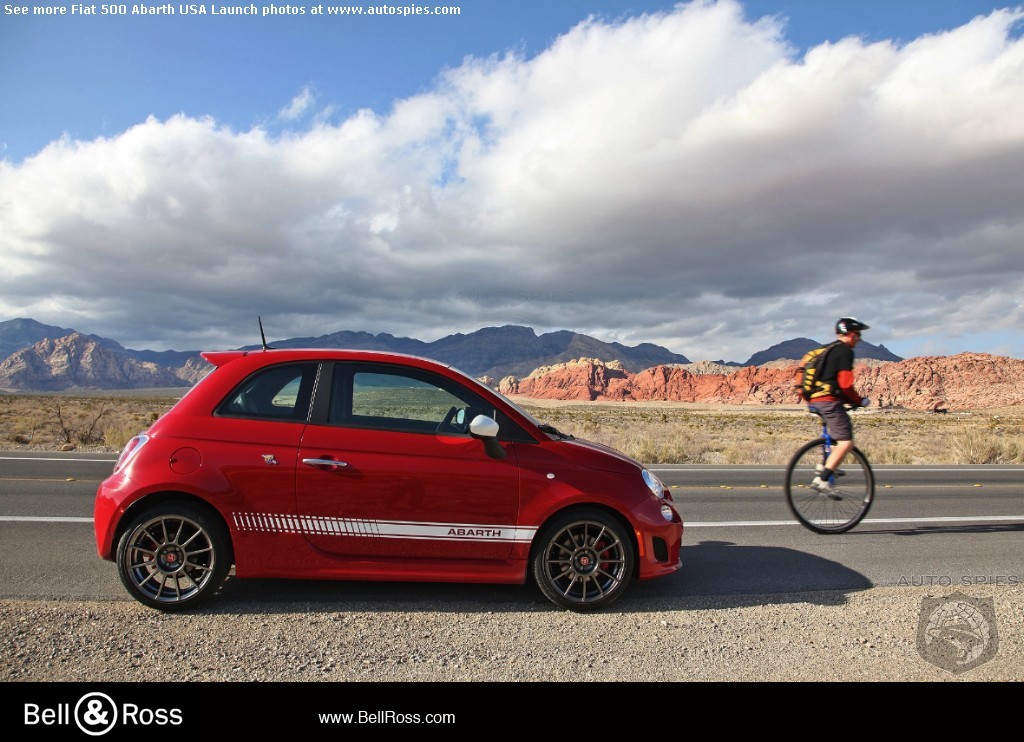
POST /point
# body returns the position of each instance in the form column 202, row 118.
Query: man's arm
column 845, row 382
column 844, row 377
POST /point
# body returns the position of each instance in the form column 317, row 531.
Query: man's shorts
column 836, row 418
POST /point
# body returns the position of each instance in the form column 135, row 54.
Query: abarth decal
column 316, row 525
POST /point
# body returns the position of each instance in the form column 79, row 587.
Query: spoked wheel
column 584, row 560
column 829, row 513
column 173, row 556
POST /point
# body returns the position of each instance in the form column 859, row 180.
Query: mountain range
column 39, row 357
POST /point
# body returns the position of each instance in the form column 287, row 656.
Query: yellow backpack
column 809, row 384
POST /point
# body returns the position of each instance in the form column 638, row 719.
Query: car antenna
column 263, row 337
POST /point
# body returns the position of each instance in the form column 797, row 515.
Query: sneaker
column 819, row 468
column 825, row 488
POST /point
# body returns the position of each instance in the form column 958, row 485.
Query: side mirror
column 486, row 430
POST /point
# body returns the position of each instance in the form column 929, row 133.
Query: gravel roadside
column 823, row 636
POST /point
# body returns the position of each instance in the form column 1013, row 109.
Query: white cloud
column 298, row 106
column 681, row 178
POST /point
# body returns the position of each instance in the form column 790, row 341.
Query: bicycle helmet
column 850, row 324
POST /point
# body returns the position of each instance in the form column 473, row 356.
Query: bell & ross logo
column 96, row 713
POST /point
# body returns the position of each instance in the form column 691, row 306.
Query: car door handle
column 333, row 463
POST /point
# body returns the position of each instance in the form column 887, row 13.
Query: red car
column 358, row 465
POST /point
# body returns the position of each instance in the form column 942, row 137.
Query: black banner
column 138, row 710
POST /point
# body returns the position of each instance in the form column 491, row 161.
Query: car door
column 252, row 440
column 393, row 471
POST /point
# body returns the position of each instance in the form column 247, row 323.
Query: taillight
column 131, row 448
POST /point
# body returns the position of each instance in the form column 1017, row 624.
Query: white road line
column 734, row 468
column 42, row 519
column 867, row 521
column 43, row 458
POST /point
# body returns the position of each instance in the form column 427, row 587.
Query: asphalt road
column 930, row 525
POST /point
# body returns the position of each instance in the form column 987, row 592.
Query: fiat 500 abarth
column 356, row 465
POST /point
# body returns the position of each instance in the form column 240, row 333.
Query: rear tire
column 173, row 556
column 829, row 513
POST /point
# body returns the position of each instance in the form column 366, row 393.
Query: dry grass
column 69, row 422
column 652, row 432
column 678, row 433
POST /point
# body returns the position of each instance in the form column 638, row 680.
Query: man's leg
column 841, row 430
column 839, row 451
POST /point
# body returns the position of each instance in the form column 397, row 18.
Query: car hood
column 597, row 456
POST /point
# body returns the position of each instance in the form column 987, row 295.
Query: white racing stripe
column 317, row 525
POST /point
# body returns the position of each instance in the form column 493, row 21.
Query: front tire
column 173, row 556
column 584, row 560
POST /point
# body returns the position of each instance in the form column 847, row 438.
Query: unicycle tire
column 829, row 513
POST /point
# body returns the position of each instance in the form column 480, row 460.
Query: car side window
column 275, row 393
column 402, row 400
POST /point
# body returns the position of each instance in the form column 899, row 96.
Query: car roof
column 277, row 355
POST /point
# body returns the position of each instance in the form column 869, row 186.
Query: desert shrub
column 55, row 420
column 972, row 445
column 76, row 423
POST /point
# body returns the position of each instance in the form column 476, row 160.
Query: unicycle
column 854, row 486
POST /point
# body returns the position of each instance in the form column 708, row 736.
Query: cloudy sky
column 714, row 176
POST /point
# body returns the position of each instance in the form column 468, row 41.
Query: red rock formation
column 964, row 381
column 582, row 379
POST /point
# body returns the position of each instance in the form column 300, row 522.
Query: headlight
column 655, row 485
